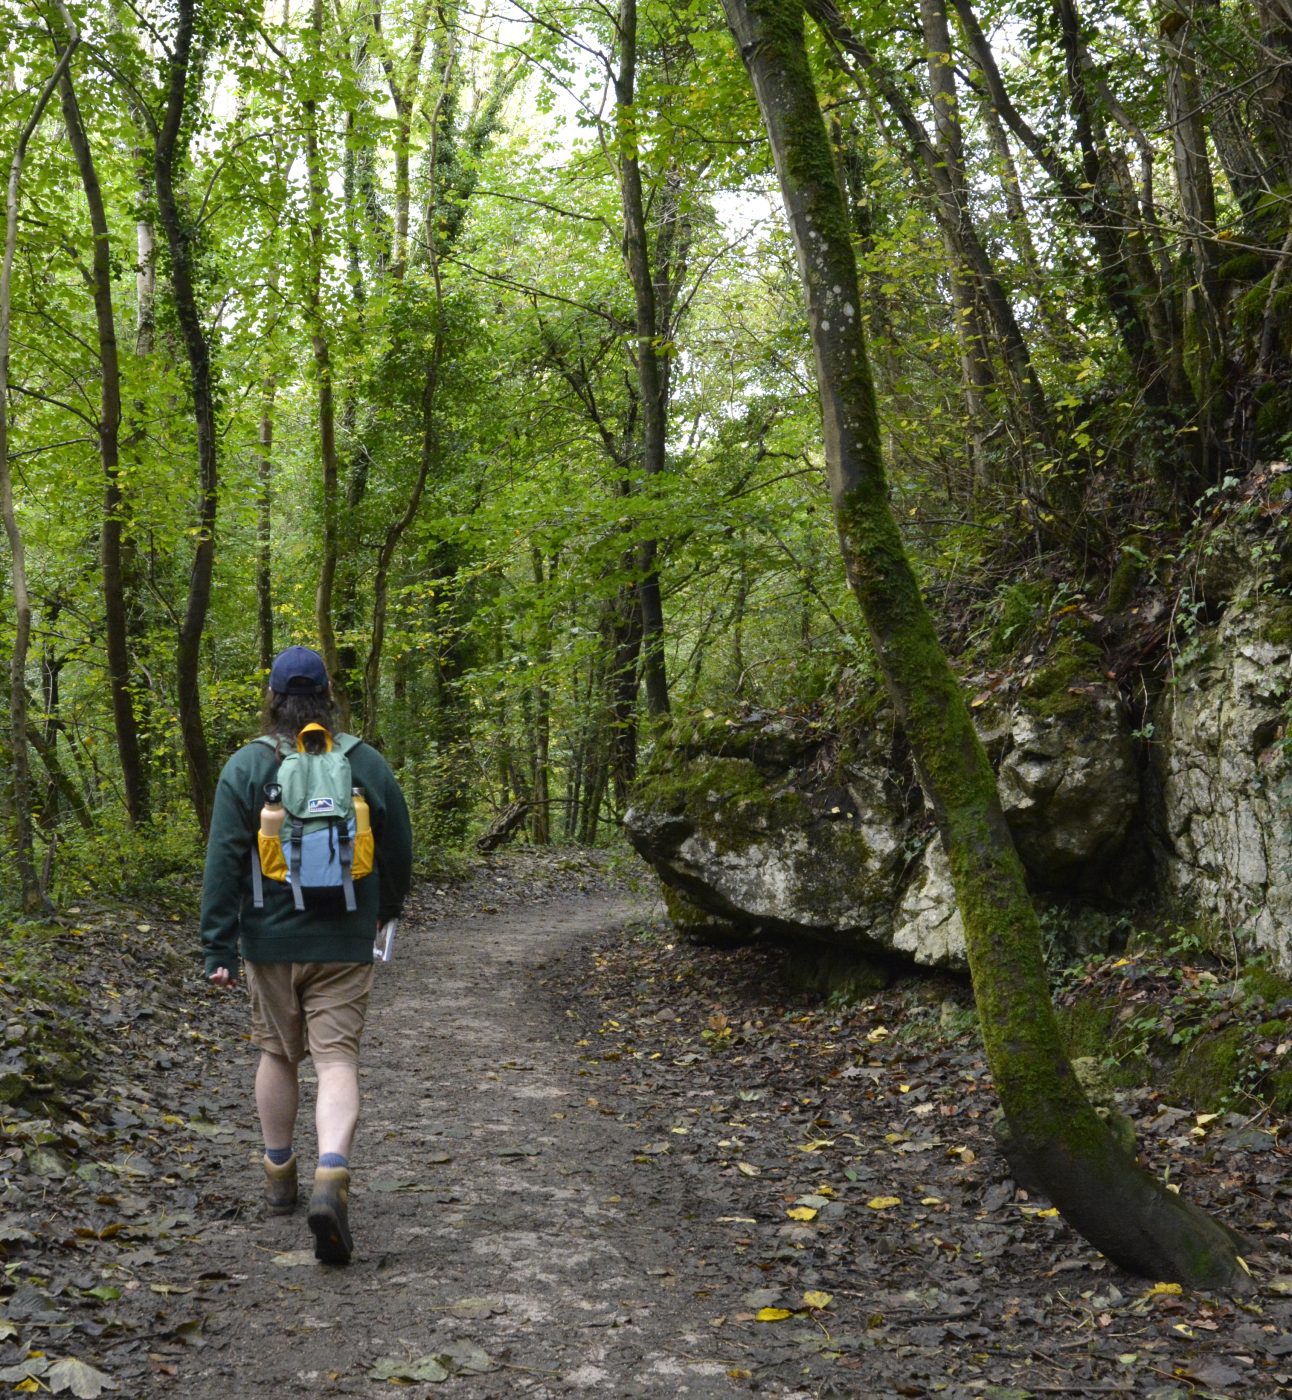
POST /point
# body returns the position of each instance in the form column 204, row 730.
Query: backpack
column 325, row 842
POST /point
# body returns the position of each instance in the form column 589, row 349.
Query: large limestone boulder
column 761, row 825
column 1223, row 774
column 753, row 828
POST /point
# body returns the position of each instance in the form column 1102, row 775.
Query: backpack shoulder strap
column 347, row 743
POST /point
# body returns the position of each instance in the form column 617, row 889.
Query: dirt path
column 594, row 1161
column 491, row 1216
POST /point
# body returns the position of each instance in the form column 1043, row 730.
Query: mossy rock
column 1049, row 692
column 1260, row 984
column 13, row 1085
column 1126, row 578
column 1088, row 1031
column 1208, row 1069
column 1243, row 267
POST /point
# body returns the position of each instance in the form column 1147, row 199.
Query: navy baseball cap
column 298, row 671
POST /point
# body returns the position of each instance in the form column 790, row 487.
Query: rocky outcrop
column 1221, row 762
column 747, row 823
column 764, row 825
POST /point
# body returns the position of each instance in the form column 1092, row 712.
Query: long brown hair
column 284, row 716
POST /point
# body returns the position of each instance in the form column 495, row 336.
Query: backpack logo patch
column 322, row 806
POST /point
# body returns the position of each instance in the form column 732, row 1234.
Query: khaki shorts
column 314, row 1008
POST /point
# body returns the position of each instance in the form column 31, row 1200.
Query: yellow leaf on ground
column 816, row 1144
column 801, row 1213
column 1048, row 1214
column 773, row 1314
column 817, row 1299
column 883, row 1202
column 877, row 1034
column 1204, row 1118
column 1164, row 1288
column 748, row 1169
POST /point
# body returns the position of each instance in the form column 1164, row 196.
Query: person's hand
column 221, row 977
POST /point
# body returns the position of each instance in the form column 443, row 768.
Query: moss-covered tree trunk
column 1100, row 1190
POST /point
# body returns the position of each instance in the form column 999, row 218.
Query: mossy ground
column 1212, row 1037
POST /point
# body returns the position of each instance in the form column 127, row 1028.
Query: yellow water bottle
column 363, row 846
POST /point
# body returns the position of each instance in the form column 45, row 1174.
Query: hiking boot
column 280, row 1186
column 329, row 1221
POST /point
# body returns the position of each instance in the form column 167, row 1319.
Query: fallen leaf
column 801, row 1213
column 423, row 1368
column 748, row 1169
column 477, row 1307
column 884, row 1202
column 294, row 1258
column 773, row 1314
column 1164, row 1288
column 82, row 1379
column 816, row 1299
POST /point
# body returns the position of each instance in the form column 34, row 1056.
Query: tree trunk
column 1087, row 200
column 145, row 268
column 325, row 401
column 951, row 207
column 1098, row 1188
column 133, row 774
column 651, row 374
column 977, row 379
column 33, row 897
column 198, row 353
column 1203, row 299
column 540, row 823
column 264, row 525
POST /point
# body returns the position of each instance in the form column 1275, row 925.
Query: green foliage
column 159, row 864
column 510, row 586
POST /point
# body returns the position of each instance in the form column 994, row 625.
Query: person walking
column 307, row 952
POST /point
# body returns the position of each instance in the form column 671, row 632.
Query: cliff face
column 768, row 824
column 1221, row 789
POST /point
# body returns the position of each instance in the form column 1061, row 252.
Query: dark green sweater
column 279, row 932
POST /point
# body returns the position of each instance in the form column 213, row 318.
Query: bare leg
column 337, row 1112
column 277, row 1099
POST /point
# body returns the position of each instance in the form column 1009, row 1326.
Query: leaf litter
column 945, row 1278
column 116, row 1156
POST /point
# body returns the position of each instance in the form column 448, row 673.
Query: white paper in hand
column 384, row 948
